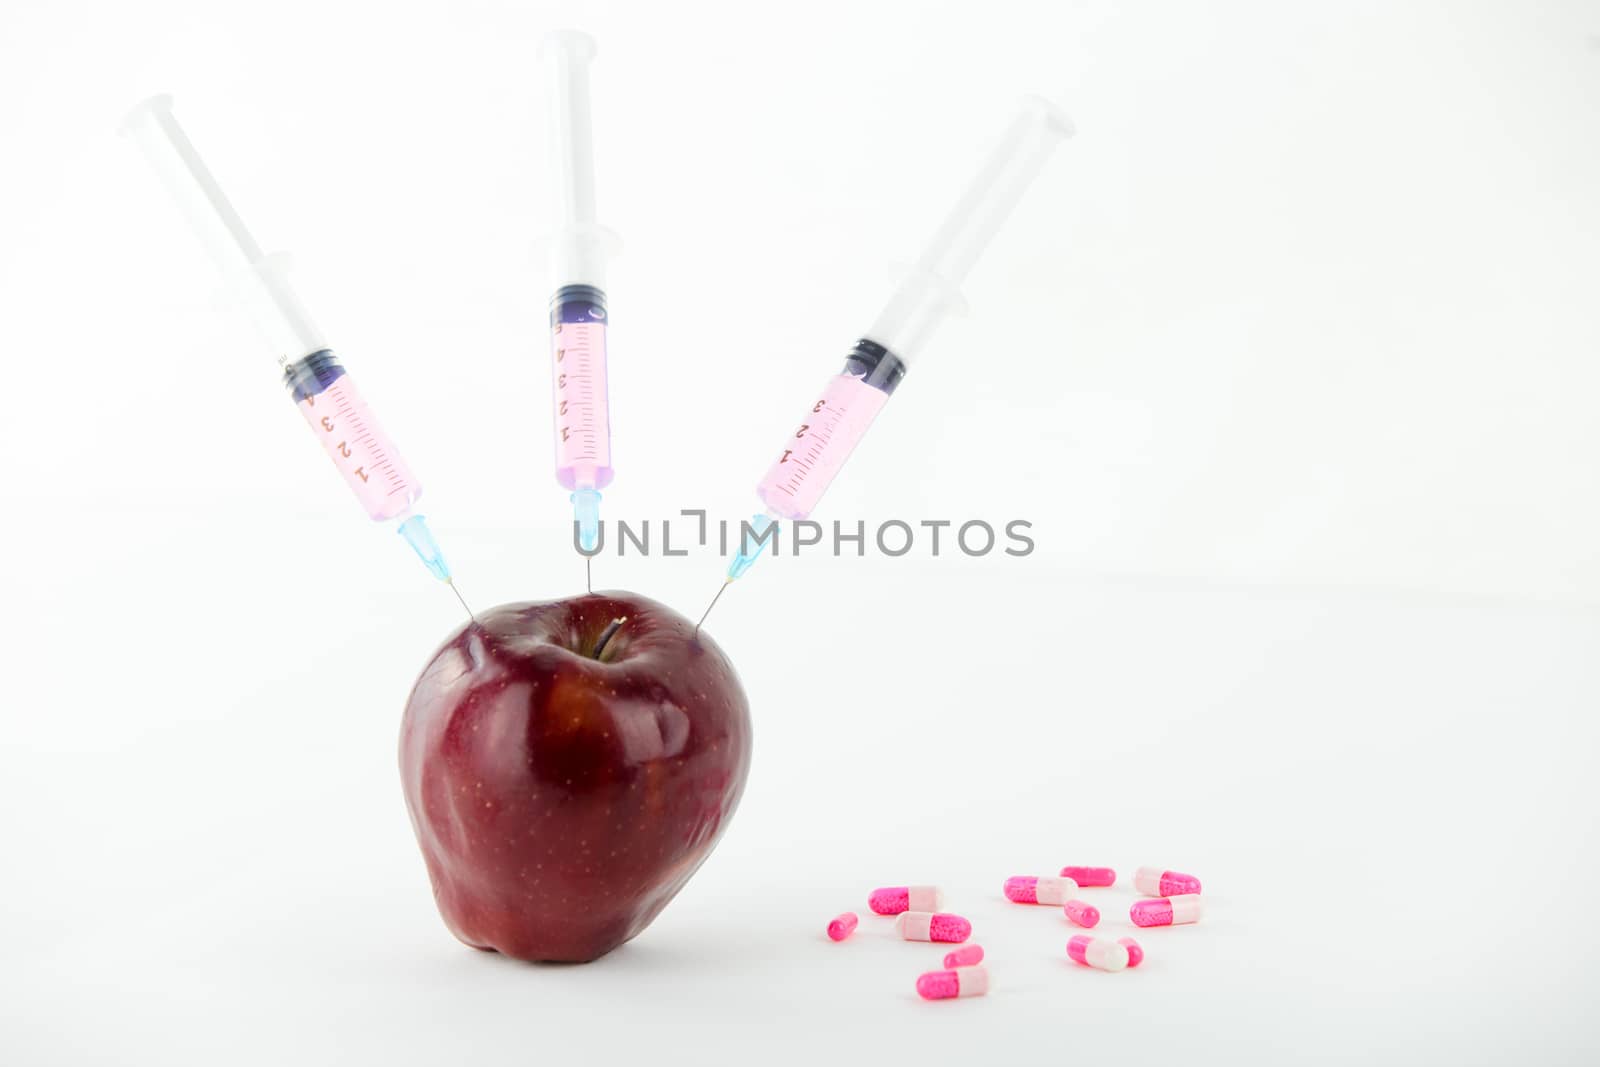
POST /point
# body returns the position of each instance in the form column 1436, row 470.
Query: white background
column 1289, row 356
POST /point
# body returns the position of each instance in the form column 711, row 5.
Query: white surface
column 209, row 858
column 1309, row 447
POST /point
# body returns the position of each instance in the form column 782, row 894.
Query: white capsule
column 1095, row 952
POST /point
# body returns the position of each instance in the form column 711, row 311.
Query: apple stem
column 605, row 637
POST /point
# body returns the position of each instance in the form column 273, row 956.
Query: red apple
column 566, row 776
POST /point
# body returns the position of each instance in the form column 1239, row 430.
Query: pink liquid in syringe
column 818, row 449
column 370, row 463
column 582, row 418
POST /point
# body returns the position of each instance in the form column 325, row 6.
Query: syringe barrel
column 351, row 436
column 814, row 454
column 344, row 425
column 579, row 390
column 579, row 246
column 932, row 288
column 257, row 281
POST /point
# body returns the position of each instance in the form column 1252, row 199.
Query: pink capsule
column 894, row 899
column 1135, row 953
column 965, row 956
column 1090, row 876
column 1166, row 911
column 1026, row 889
column 955, row 982
column 932, row 926
column 1093, row 952
column 843, row 926
column 1085, row 915
column 1154, row 882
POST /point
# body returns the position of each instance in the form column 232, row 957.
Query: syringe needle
column 588, row 573
column 725, row 583
column 451, row 582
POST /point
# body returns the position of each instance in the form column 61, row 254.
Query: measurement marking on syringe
column 359, row 448
column 582, row 452
column 821, row 444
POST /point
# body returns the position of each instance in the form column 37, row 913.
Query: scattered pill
column 933, row 926
column 1135, row 953
column 1093, row 952
column 1085, row 915
column 1166, row 911
column 965, row 956
column 1154, row 882
column 894, row 899
column 955, row 982
column 1026, row 889
column 1090, row 876
column 843, row 926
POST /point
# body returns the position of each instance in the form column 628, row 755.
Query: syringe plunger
column 257, row 280
column 579, row 246
column 932, row 288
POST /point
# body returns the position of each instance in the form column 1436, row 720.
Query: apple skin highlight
column 562, row 800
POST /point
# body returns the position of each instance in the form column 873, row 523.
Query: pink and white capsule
column 1084, row 915
column 1026, row 889
column 1135, row 953
column 1093, row 952
column 1166, row 911
column 894, row 899
column 1154, row 882
column 954, row 982
column 1090, row 876
column 933, row 926
column 966, row 956
column 843, row 926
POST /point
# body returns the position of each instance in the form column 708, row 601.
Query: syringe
column 325, row 394
column 579, row 248
column 813, row 455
